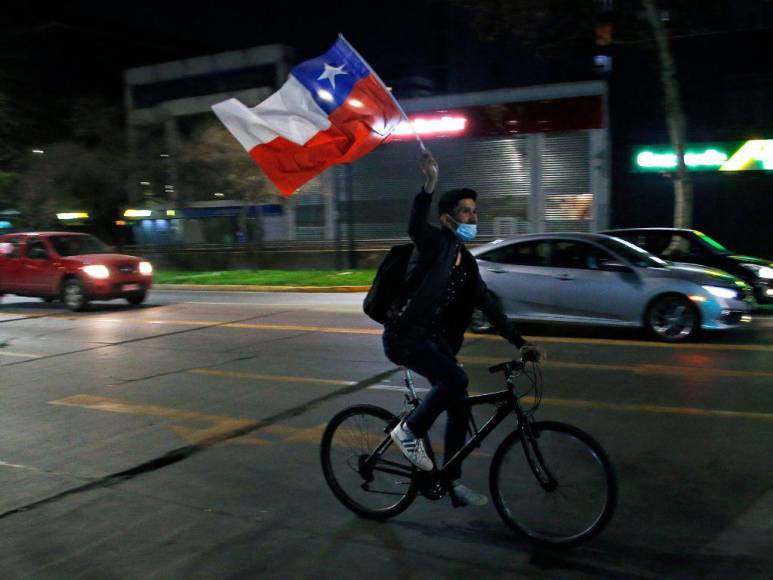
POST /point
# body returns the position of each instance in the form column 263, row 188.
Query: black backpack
column 388, row 283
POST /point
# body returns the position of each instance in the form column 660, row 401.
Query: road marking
column 629, row 408
column 399, row 388
column 541, row 339
column 282, row 304
column 16, row 466
column 749, row 534
column 260, row 377
column 20, row 354
column 643, row 343
column 638, row 369
column 222, row 426
column 692, row 411
column 218, row 425
column 379, row 331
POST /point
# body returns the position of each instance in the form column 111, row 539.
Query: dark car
column 692, row 246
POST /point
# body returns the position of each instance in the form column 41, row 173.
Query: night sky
column 144, row 32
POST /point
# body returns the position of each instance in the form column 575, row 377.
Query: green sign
column 752, row 155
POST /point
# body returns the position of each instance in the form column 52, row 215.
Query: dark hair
column 450, row 199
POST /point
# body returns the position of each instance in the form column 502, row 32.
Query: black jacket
column 427, row 281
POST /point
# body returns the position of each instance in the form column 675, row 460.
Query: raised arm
column 419, row 229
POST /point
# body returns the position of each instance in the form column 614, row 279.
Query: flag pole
column 394, row 100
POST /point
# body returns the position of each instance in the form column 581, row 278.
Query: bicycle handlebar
column 509, row 367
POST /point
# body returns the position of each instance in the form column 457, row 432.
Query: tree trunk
column 675, row 118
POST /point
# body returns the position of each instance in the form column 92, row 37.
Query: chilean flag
column 332, row 109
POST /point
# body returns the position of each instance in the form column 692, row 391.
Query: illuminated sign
column 137, row 213
column 755, row 154
column 441, row 126
column 75, row 215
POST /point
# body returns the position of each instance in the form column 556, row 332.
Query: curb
column 255, row 288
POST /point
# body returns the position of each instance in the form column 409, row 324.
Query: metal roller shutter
column 565, row 166
column 384, row 183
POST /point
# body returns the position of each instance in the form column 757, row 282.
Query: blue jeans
column 434, row 359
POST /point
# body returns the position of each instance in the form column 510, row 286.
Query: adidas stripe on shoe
column 411, row 446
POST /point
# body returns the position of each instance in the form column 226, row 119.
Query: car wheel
column 74, row 295
column 672, row 318
column 136, row 299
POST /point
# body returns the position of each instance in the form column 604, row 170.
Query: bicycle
column 562, row 495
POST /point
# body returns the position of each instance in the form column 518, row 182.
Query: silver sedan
column 602, row 280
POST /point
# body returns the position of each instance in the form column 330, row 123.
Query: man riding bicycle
column 425, row 325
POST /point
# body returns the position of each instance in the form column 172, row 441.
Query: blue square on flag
column 341, row 69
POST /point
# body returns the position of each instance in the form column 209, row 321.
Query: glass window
column 77, row 245
column 578, row 255
column 536, row 253
column 678, row 247
column 36, row 250
column 632, row 253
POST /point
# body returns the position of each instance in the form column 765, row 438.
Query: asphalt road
column 181, row 440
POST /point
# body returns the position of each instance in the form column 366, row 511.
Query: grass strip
column 269, row 277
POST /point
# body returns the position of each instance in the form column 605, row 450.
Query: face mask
column 465, row 232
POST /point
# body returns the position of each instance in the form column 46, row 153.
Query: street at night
column 181, row 439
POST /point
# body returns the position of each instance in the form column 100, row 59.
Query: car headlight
column 759, row 271
column 97, row 271
column 146, row 269
column 720, row 292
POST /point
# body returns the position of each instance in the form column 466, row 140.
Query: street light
column 38, row 151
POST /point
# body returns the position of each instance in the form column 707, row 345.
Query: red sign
column 570, row 114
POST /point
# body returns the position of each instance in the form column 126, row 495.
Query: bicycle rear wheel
column 562, row 493
column 364, row 469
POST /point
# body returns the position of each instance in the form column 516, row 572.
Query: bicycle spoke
column 579, row 499
column 365, row 471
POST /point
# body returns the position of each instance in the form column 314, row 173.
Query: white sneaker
column 468, row 497
column 411, row 446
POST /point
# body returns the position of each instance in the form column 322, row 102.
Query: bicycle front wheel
column 364, row 469
column 558, row 490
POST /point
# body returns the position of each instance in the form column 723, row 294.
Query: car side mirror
column 6, row 250
column 616, row 267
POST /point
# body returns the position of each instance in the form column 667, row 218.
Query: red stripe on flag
column 357, row 127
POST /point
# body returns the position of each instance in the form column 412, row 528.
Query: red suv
column 74, row 267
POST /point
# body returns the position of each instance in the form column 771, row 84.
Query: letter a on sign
column 757, row 152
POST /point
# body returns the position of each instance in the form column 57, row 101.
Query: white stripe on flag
column 290, row 113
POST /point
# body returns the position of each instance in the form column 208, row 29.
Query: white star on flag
column 331, row 72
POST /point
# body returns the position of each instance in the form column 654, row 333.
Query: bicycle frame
column 506, row 403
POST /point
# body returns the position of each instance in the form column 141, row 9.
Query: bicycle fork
column 535, row 458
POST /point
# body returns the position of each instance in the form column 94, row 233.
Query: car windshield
column 715, row 246
column 77, row 245
column 633, row 253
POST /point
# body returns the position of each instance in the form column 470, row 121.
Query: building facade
column 539, row 157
